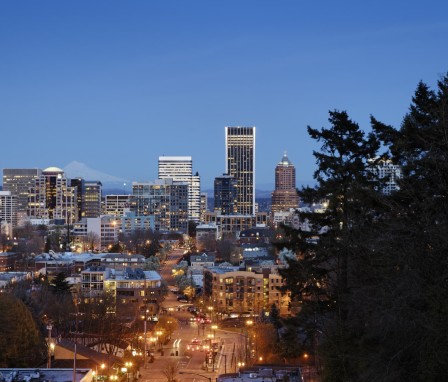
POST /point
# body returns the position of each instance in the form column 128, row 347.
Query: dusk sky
column 115, row 84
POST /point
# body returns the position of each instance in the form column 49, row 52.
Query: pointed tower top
column 285, row 160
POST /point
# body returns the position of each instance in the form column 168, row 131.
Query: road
column 188, row 361
column 193, row 364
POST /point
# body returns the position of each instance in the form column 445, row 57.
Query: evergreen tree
column 372, row 286
column 60, row 285
column 415, row 339
column 20, row 342
column 325, row 272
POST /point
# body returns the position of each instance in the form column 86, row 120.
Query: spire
column 285, row 160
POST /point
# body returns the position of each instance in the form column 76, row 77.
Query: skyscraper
column 240, row 164
column 180, row 169
column 225, row 193
column 166, row 200
column 91, row 199
column 19, row 181
column 8, row 208
column 285, row 195
column 52, row 197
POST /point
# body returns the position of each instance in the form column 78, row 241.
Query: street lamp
column 214, row 327
column 128, row 368
column 49, row 343
column 249, row 323
column 159, row 334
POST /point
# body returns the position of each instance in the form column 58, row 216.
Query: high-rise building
column 117, row 205
column 8, row 208
column 180, row 169
column 166, row 199
column 91, row 199
column 78, row 183
column 88, row 197
column 19, row 181
column 225, row 194
column 52, row 197
column 204, row 205
column 285, row 195
column 240, row 164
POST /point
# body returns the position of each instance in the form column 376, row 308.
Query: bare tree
column 170, row 371
column 91, row 241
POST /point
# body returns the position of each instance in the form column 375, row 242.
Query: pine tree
column 325, row 272
column 20, row 342
column 60, row 285
column 416, row 344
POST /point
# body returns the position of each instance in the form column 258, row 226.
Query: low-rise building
column 234, row 224
column 8, row 260
column 264, row 373
column 202, row 260
column 67, row 262
column 134, row 292
column 205, row 232
column 10, row 278
column 246, row 290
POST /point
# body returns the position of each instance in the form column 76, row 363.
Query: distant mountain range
column 77, row 169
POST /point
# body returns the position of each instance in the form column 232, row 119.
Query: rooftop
column 44, row 375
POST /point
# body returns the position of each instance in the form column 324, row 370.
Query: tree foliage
column 370, row 277
column 20, row 343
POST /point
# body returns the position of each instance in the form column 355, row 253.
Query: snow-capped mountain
column 77, row 169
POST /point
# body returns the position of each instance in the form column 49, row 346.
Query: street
column 190, row 361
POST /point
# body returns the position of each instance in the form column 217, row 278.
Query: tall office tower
column 88, row 197
column 225, row 194
column 78, row 183
column 240, row 164
column 117, row 205
column 19, row 181
column 177, row 167
column 52, row 197
column 91, row 199
column 166, row 199
column 285, row 195
column 180, row 169
column 8, row 208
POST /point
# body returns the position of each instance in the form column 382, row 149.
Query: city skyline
column 93, row 82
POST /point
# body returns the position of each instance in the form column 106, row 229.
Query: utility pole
column 49, row 328
column 75, row 339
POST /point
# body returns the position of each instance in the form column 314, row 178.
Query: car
column 194, row 345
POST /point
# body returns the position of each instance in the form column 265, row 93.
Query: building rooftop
column 261, row 373
column 285, row 161
column 53, row 169
column 45, row 375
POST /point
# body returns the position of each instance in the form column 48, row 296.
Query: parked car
column 182, row 298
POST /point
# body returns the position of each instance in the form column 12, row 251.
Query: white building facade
column 180, row 169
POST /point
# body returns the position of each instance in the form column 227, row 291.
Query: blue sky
column 115, row 84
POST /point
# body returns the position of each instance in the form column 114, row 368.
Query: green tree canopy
column 20, row 342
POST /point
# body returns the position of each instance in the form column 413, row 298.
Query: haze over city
column 115, row 85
